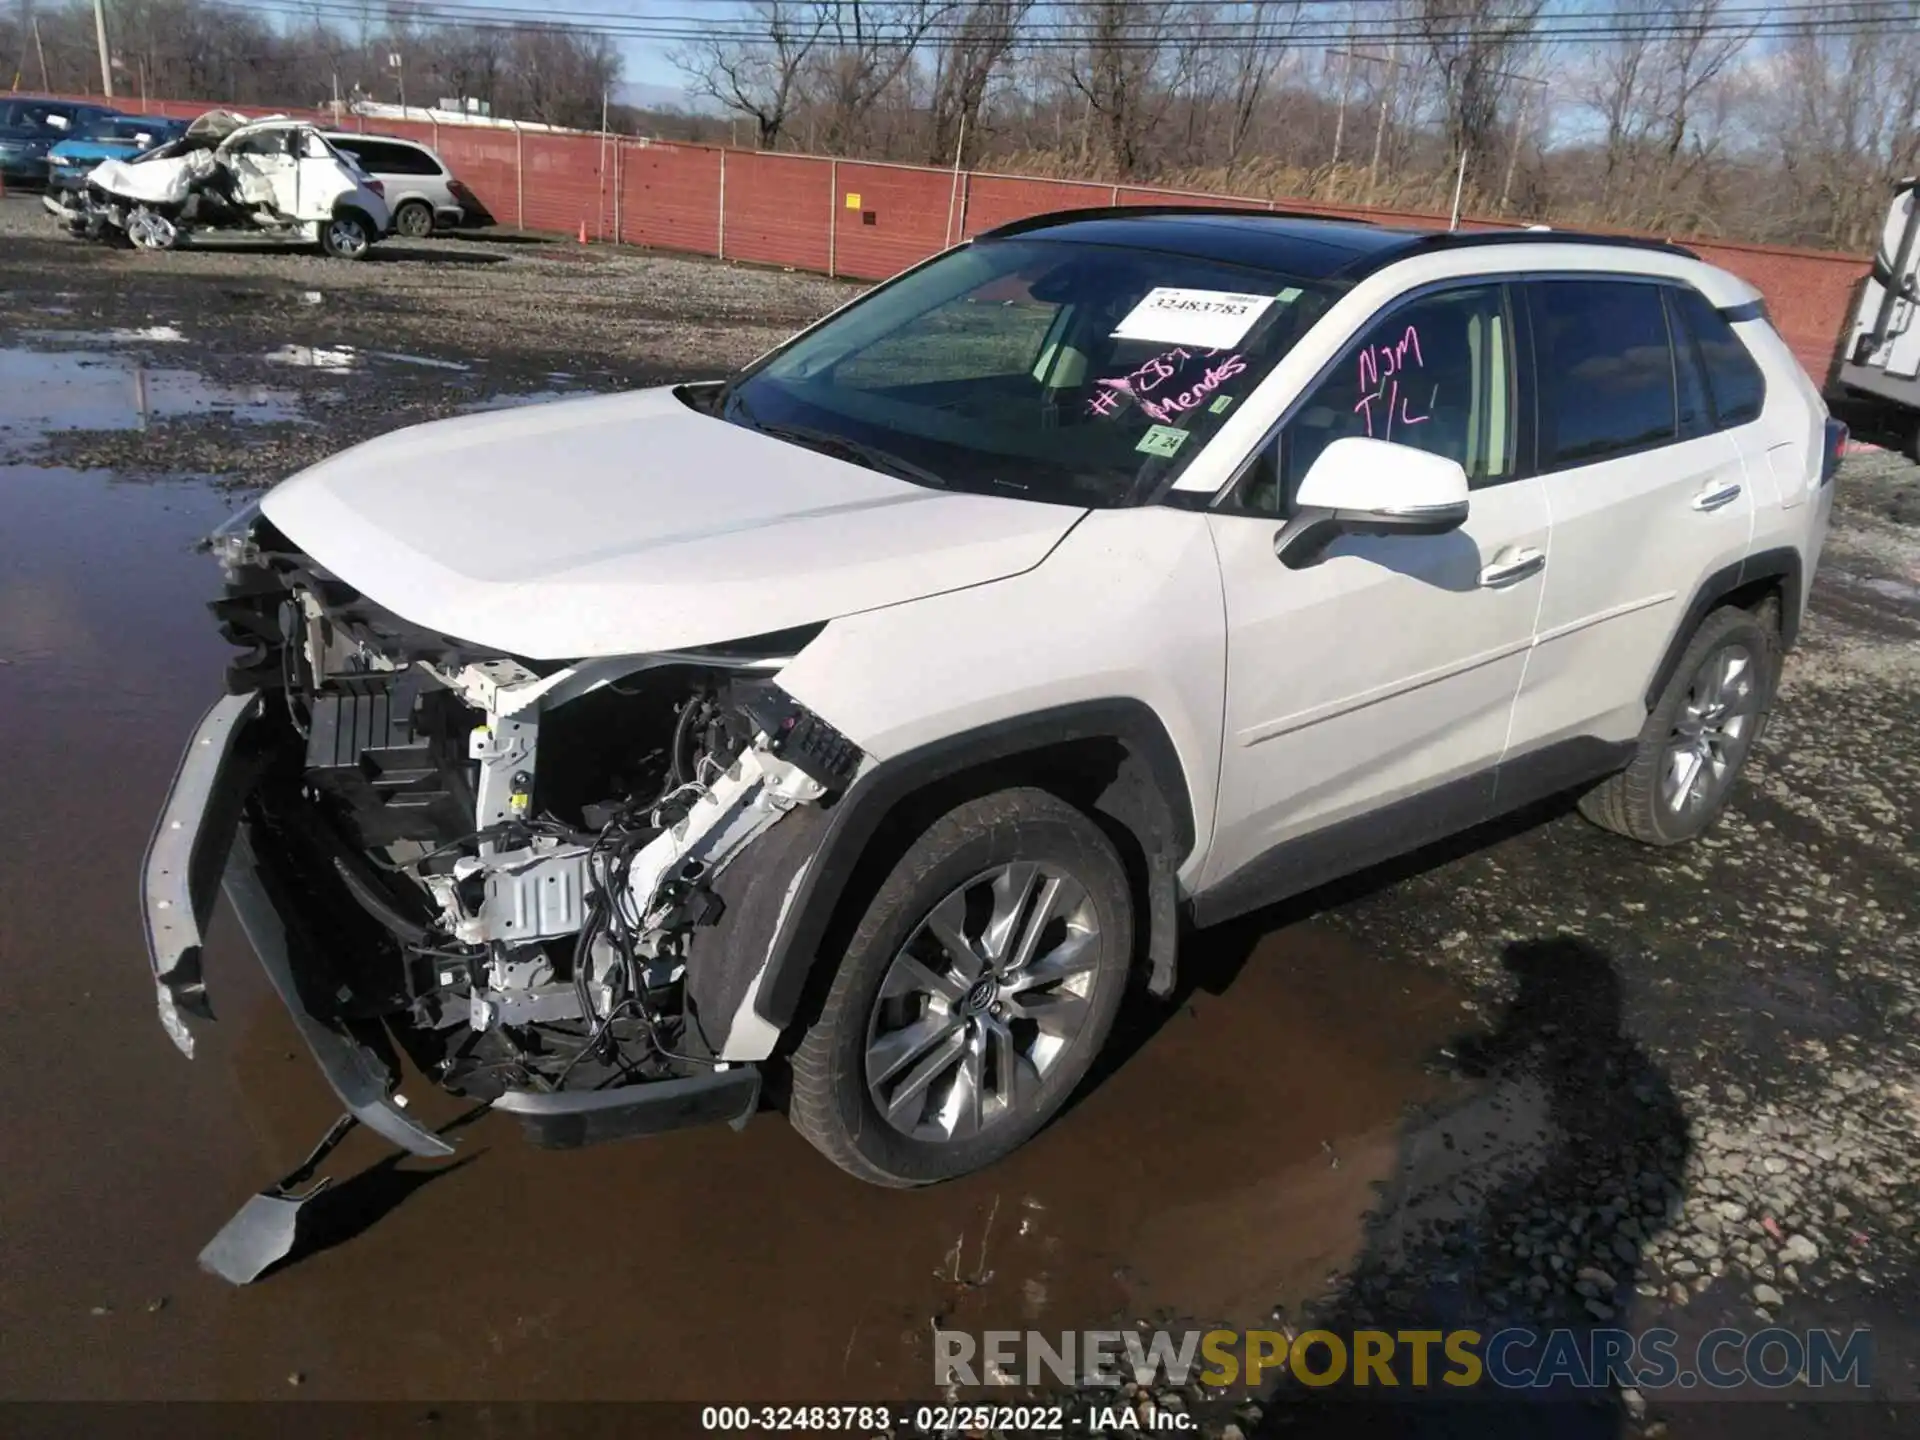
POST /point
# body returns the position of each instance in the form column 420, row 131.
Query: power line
column 1786, row 20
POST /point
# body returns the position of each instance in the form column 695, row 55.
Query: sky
column 647, row 70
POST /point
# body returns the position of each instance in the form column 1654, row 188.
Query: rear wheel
column 414, row 219
column 975, row 993
column 347, row 236
column 1697, row 736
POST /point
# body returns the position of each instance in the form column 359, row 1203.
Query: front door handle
column 1511, row 565
column 1720, row 495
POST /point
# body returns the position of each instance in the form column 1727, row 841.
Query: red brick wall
column 869, row 220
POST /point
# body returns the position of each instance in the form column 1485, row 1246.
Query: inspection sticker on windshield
column 1162, row 440
column 1211, row 318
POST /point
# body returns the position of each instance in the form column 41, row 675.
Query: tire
column 347, row 236
column 414, row 219
column 1661, row 799
column 150, row 230
column 897, row 986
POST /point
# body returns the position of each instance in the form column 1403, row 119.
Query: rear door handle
column 1720, row 495
column 1511, row 565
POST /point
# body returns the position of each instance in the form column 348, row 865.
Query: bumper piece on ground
column 266, row 1230
column 568, row 1119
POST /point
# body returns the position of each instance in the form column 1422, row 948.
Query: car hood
column 631, row 523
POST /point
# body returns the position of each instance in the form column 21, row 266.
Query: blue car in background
column 30, row 127
column 105, row 137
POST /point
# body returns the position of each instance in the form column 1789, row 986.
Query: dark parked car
column 30, row 127
column 105, row 137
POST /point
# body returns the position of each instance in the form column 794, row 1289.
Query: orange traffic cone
column 583, row 232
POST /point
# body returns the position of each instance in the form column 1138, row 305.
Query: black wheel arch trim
column 1782, row 564
column 854, row 820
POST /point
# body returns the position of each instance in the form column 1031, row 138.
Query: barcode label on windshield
column 1213, row 319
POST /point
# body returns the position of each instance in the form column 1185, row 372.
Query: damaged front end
column 521, row 876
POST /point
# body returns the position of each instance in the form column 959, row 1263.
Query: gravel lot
column 520, row 316
column 1687, row 1087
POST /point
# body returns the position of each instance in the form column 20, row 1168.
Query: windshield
column 125, row 127
column 1060, row 371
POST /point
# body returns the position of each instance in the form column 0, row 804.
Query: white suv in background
column 421, row 191
column 880, row 714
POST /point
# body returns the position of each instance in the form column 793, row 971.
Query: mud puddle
column 1224, row 1164
column 48, row 390
column 162, row 399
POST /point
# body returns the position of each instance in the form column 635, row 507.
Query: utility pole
column 1380, row 127
column 1340, row 121
column 40, row 50
column 1392, row 62
column 100, row 33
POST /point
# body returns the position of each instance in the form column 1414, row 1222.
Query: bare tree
column 868, row 45
column 1849, row 124
column 1251, row 66
column 1651, row 89
column 759, row 78
column 1122, row 71
column 1471, row 45
column 965, row 66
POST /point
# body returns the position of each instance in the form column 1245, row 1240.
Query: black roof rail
column 1544, row 235
column 1129, row 212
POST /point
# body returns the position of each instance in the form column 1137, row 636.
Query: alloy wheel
column 150, row 231
column 1709, row 734
column 984, row 1000
column 345, row 237
column 415, row 221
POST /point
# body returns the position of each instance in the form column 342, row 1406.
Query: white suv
column 421, row 192
column 883, row 711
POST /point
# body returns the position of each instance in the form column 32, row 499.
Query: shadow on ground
column 1573, row 1153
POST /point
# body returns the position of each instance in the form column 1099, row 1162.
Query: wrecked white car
column 275, row 178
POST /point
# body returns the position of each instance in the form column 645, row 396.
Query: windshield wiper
column 858, row 451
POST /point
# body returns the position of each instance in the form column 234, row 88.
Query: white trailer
column 1881, row 362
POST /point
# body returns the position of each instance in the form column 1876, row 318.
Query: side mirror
column 1360, row 486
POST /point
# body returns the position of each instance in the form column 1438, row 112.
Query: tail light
column 458, row 191
column 1834, row 451
column 377, row 188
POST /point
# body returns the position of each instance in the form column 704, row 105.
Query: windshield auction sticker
column 1214, row 319
column 1162, row 440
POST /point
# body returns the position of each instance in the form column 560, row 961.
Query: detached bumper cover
column 201, row 838
column 186, row 858
column 205, row 842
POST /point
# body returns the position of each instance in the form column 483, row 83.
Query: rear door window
column 1605, row 370
column 383, row 157
column 1734, row 380
column 1689, row 374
